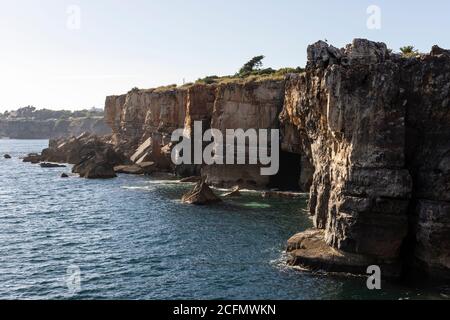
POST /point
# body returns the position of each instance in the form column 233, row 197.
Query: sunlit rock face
column 248, row 105
column 143, row 114
column 375, row 127
column 154, row 114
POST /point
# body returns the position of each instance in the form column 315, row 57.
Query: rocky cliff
column 51, row 129
column 365, row 130
column 375, row 126
column 148, row 118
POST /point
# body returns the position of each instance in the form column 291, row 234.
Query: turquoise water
column 131, row 238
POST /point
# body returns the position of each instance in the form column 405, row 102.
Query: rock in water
column 191, row 180
column 7, row 156
column 64, row 175
column 201, row 195
column 309, row 250
column 33, row 158
column 98, row 166
column 235, row 192
column 51, row 165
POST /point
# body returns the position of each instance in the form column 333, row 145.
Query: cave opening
column 289, row 174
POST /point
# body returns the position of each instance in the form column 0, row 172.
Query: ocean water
column 131, row 238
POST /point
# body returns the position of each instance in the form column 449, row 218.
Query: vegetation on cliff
column 251, row 71
column 31, row 113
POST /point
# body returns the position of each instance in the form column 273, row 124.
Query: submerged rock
column 51, row 165
column 7, row 156
column 32, row 158
column 200, row 195
column 191, row 180
column 64, row 175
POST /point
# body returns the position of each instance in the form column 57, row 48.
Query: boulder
column 100, row 165
column 129, row 169
column 309, row 250
column 7, row 156
column 32, row 158
column 64, row 175
column 201, row 195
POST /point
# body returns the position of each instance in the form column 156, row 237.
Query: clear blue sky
column 122, row 44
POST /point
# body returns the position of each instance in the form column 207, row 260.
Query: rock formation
column 200, row 195
column 93, row 157
column 375, row 126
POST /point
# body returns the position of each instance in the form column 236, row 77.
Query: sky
column 60, row 54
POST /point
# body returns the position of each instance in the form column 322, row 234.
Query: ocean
column 132, row 238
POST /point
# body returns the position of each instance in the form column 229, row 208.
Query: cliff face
column 155, row 114
column 244, row 106
column 138, row 115
column 376, row 129
column 368, row 130
column 51, row 129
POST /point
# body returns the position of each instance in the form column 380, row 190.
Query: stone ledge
column 310, row 251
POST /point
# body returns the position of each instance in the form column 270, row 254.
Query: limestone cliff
column 148, row 118
column 368, row 130
column 376, row 128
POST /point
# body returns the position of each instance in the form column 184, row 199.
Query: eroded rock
column 201, row 195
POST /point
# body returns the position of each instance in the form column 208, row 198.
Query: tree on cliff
column 254, row 64
column 409, row 51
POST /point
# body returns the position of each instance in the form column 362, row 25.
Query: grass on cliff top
column 251, row 72
column 251, row 76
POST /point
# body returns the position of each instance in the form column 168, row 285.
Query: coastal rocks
column 280, row 195
column 374, row 128
column 76, row 149
column 138, row 169
column 51, row 128
column 309, row 250
column 51, row 165
column 7, row 156
column 32, row 158
column 201, row 195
